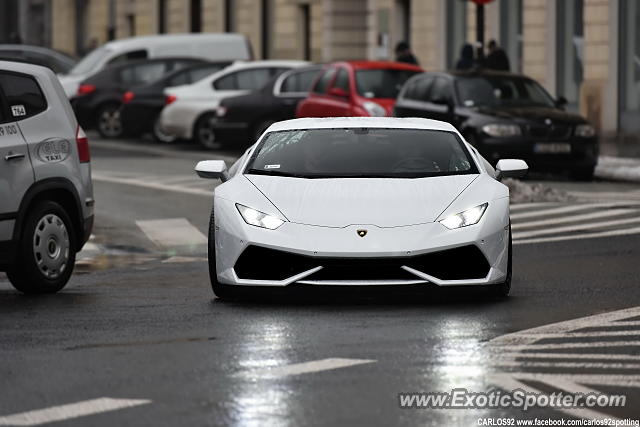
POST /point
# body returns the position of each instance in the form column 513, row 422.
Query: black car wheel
column 259, row 129
column 159, row 135
column 109, row 121
column 219, row 290
column 203, row 132
column 582, row 174
column 46, row 252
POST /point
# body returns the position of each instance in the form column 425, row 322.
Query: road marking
column 314, row 366
column 152, row 185
column 72, row 410
column 515, row 351
column 573, row 218
column 575, row 227
column 610, row 233
column 571, row 208
column 523, row 206
column 172, row 232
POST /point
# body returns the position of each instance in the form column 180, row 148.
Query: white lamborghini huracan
column 360, row 201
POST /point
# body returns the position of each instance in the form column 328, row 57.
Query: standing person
column 404, row 54
column 466, row 60
column 497, row 58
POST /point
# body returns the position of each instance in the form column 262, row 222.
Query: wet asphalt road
column 135, row 326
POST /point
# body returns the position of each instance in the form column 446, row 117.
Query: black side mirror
column 561, row 101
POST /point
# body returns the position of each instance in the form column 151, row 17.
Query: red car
column 356, row 88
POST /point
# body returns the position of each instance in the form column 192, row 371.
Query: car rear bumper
column 315, row 255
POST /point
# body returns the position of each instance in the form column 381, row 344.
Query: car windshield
column 501, row 92
column 381, row 83
column 361, row 153
column 89, row 62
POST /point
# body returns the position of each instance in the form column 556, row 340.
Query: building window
column 266, row 12
column 629, row 57
column 403, row 21
column 196, row 16
column 511, row 32
column 229, row 16
column 570, row 37
column 456, row 21
column 305, row 34
column 131, row 24
column 162, row 16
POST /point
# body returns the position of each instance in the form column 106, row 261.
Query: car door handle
column 13, row 156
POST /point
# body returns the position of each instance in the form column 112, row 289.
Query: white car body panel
column 196, row 99
column 322, row 216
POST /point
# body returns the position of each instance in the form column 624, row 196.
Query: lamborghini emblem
column 361, row 233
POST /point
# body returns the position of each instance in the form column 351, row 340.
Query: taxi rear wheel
column 46, row 254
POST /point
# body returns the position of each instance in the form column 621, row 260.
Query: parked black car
column 505, row 115
column 245, row 117
column 58, row 62
column 99, row 98
column 142, row 105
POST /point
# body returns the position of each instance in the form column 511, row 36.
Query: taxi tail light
column 83, row 146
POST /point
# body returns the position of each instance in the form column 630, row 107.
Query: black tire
column 49, row 225
column 219, row 290
column 109, row 121
column 583, row 173
column 501, row 290
column 203, row 132
column 259, row 129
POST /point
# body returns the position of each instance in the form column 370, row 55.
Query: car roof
column 159, row 39
column 359, row 122
column 24, row 67
column 373, row 65
column 478, row 72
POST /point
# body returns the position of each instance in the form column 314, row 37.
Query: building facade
column 585, row 50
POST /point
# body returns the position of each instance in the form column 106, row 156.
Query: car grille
column 549, row 133
column 463, row 263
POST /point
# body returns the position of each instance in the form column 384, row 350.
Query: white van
column 209, row 46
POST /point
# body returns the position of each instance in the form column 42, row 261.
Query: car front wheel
column 46, row 254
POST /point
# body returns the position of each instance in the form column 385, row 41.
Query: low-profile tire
column 46, row 251
column 219, row 290
column 501, row 290
column 582, row 174
column 203, row 132
column 109, row 121
column 159, row 135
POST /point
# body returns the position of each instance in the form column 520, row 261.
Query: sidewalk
column 619, row 160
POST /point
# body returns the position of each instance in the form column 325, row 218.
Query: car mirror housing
column 511, row 168
column 212, row 169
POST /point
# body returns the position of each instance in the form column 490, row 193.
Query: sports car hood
column 371, row 201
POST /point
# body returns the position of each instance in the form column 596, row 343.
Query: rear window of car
column 299, row 82
column 252, row 79
column 323, row 82
column 23, row 95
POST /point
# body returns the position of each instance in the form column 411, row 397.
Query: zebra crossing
column 583, row 355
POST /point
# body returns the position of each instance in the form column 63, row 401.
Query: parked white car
column 46, row 194
column 191, row 108
column 210, row 47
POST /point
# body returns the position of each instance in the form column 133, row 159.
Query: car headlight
column 501, row 130
column 463, row 219
column 374, row 109
column 585, row 131
column 257, row 218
